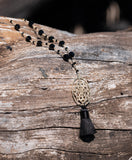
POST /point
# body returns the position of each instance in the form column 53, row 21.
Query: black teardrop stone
column 40, row 32
column 61, row 43
column 71, row 54
column 39, row 43
column 58, row 51
column 66, row 57
column 28, row 38
column 51, row 39
column 30, row 24
column 51, row 47
column 17, row 27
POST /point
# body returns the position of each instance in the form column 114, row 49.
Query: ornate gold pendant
column 81, row 92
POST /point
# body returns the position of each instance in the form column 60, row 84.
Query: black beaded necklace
column 80, row 90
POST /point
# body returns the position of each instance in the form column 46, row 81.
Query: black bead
column 77, row 71
column 71, row 54
column 30, row 24
column 40, row 32
column 61, row 43
column 58, row 51
column 39, row 43
column 66, row 57
column 17, row 27
column 9, row 47
column 22, row 34
column 28, row 38
column 73, row 64
column 51, row 39
column 51, row 47
column 66, row 48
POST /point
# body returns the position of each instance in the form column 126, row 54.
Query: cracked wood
column 38, row 117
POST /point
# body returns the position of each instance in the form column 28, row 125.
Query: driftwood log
column 38, row 117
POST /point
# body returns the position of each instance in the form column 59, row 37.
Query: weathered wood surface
column 38, row 117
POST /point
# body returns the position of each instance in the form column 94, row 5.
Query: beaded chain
column 80, row 89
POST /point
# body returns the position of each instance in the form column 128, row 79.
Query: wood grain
column 38, row 117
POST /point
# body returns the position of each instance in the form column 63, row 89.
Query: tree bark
column 38, row 117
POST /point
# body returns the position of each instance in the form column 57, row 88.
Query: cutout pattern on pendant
column 81, row 92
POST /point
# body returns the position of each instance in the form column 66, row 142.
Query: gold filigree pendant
column 81, row 92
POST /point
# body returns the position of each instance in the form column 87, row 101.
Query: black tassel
column 87, row 129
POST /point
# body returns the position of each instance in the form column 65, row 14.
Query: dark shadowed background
column 77, row 16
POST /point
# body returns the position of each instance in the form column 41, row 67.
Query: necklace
column 80, row 88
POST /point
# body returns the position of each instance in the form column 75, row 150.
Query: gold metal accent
column 81, row 91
